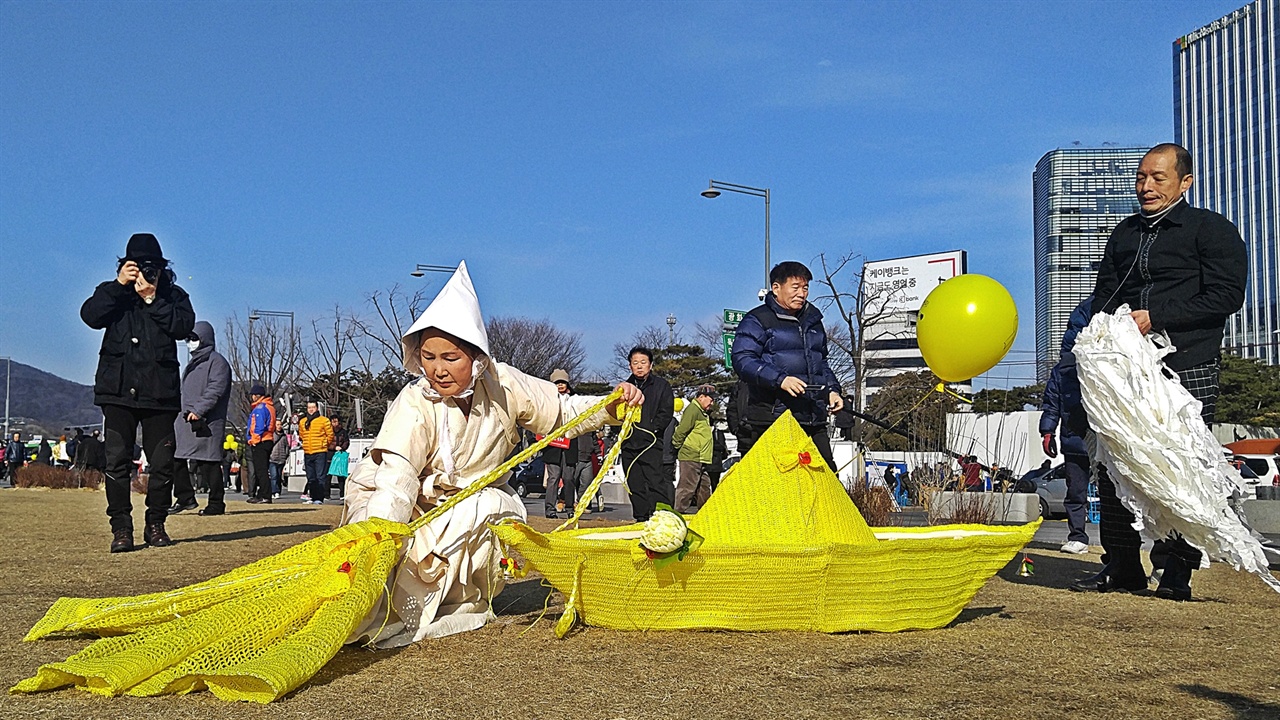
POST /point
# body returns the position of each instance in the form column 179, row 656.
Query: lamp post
column 419, row 269
column 258, row 315
column 671, row 330
column 8, row 372
column 713, row 191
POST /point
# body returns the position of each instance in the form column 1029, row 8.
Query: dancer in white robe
column 445, row 430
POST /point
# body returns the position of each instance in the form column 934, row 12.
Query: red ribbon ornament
column 805, row 459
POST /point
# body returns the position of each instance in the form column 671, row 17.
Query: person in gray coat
column 199, row 427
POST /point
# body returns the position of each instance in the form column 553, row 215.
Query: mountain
column 47, row 402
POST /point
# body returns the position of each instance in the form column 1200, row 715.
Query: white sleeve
column 395, row 489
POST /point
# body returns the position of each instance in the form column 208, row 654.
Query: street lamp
column 671, row 330
column 419, row 269
column 7, row 373
column 258, row 315
column 713, row 191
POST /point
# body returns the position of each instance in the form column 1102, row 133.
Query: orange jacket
column 262, row 421
column 316, row 438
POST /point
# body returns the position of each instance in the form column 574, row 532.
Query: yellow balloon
column 966, row 325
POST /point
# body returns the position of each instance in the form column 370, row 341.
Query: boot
column 122, row 540
column 1175, row 583
column 155, row 536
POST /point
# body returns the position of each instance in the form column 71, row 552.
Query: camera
column 150, row 271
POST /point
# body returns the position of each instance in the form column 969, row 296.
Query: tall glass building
column 1224, row 113
column 1080, row 194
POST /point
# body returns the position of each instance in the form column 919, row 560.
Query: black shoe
column 552, row 514
column 155, row 536
column 205, row 512
column 1110, row 583
column 1175, row 582
column 182, row 507
column 122, row 540
column 254, row 500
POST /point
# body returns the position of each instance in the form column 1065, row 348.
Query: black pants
column 261, row 454
column 647, row 481
column 208, row 473
column 121, row 424
column 1077, row 499
column 1115, row 524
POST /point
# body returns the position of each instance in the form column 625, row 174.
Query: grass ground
column 1025, row 647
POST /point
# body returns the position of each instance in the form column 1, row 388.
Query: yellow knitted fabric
column 784, row 549
column 256, row 632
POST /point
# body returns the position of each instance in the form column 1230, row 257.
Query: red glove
column 1050, row 444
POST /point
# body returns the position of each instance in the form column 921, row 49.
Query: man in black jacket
column 1181, row 270
column 642, row 451
column 144, row 314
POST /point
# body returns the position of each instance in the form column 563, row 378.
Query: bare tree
column 264, row 351
column 535, row 347
column 332, row 343
column 710, row 335
column 650, row 336
column 394, row 311
column 860, row 306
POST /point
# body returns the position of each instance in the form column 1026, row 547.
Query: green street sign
column 733, row 317
column 727, row 339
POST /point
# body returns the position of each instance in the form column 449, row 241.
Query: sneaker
column 1075, row 547
column 122, row 540
column 182, row 507
column 306, row 498
column 155, row 536
column 317, row 502
column 275, row 496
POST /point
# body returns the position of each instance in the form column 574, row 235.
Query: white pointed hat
column 456, row 310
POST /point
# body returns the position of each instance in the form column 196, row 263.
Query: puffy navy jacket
column 1061, row 401
column 772, row 344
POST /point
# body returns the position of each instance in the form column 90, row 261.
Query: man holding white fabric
column 1182, row 271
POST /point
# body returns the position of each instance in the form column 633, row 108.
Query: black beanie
column 143, row 246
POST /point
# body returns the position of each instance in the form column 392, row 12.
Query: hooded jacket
column 1062, row 401
column 206, row 390
column 138, row 361
column 772, row 344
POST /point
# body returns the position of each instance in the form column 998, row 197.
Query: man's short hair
column 642, row 350
column 784, row 271
column 1182, row 158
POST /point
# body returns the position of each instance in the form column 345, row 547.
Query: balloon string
column 942, row 388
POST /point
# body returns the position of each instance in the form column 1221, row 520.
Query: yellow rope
column 506, row 467
column 631, row 418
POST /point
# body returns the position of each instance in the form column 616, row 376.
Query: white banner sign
column 901, row 284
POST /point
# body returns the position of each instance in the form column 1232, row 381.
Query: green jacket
column 692, row 439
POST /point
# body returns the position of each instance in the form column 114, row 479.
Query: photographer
column 144, row 314
column 198, row 430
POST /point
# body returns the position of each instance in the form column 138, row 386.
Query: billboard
column 901, row 284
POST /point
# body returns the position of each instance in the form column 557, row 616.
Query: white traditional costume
column 428, row 450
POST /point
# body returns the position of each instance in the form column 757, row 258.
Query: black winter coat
column 1189, row 275
column 656, row 413
column 138, row 362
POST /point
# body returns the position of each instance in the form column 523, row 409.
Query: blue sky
column 296, row 155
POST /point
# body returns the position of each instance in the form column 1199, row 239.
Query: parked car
column 528, row 477
column 1052, row 489
column 1258, row 470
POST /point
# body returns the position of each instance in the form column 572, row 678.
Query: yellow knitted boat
column 784, row 549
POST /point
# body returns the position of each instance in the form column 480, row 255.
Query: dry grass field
column 1025, row 647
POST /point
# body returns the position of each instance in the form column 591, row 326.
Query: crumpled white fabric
column 1167, row 466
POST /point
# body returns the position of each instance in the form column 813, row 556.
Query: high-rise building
column 1079, row 196
column 1224, row 113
